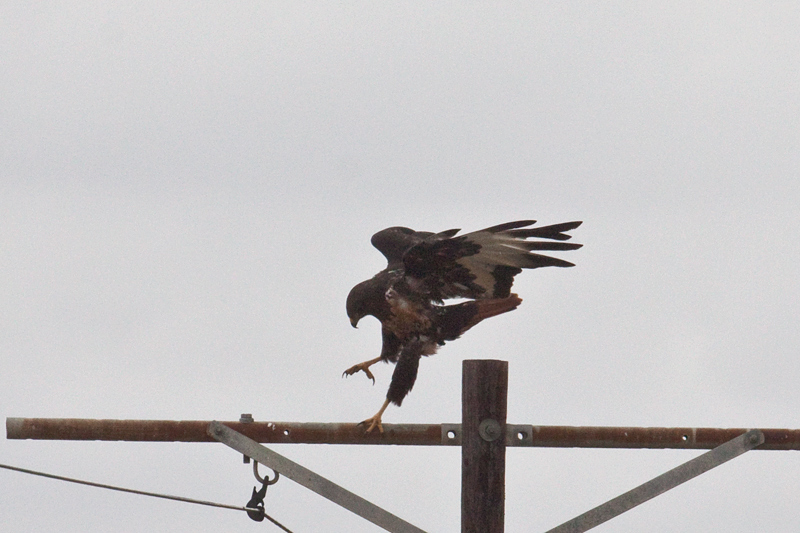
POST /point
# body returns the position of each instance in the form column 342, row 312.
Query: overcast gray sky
column 187, row 193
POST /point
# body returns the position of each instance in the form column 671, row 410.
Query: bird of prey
column 425, row 269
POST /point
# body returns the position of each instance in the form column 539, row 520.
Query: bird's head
column 358, row 303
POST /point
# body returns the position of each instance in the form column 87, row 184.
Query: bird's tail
column 458, row 318
column 493, row 307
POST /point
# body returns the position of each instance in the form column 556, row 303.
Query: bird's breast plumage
column 408, row 318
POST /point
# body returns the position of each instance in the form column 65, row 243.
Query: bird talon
column 375, row 420
column 373, row 423
column 358, row 368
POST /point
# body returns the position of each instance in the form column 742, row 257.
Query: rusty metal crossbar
column 398, row 434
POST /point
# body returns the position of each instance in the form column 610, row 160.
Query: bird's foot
column 361, row 367
column 375, row 421
column 372, row 423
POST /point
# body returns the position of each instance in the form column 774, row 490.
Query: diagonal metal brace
column 310, row 480
column 661, row 484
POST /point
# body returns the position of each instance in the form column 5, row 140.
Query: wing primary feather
column 509, row 225
column 554, row 232
column 542, row 245
column 538, row 261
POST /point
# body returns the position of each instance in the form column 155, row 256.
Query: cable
column 141, row 492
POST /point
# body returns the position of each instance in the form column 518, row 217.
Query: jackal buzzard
column 424, row 270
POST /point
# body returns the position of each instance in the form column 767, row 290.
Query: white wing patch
column 502, row 249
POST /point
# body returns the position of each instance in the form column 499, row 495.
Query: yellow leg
column 362, row 366
column 375, row 421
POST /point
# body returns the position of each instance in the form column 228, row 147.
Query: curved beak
column 354, row 322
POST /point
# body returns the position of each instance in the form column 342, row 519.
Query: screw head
column 489, row 430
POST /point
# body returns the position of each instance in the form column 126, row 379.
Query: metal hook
column 266, row 480
column 256, row 504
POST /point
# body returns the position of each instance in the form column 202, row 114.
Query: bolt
column 489, row 430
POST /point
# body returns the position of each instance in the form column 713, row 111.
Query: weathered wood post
column 484, row 396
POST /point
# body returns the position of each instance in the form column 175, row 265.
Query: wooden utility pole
column 484, row 394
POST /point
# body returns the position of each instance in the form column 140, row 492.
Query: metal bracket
column 516, row 434
column 310, row 480
column 661, row 484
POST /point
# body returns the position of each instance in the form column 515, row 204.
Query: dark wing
column 482, row 264
column 394, row 242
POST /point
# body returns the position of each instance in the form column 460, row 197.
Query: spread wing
column 482, row 264
column 394, row 242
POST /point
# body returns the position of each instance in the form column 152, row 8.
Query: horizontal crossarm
column 398, row 434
